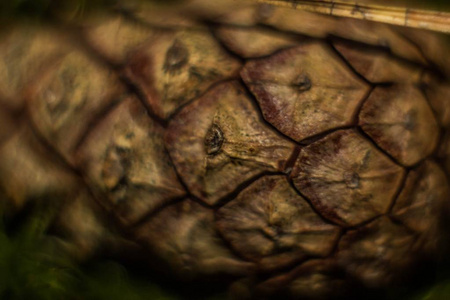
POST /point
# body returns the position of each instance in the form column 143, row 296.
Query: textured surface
column 70, row 94
column 24, row 50
column 300, row 99
column 423, row 202
column 378, row 253
column 173, row 68
column 347, row 179
column 400, row 111
column 125, row 158
column 219, row 142
column 270, row 223
column 183, row 234
column 291, row 153
column 378, row 66
column 29, row 172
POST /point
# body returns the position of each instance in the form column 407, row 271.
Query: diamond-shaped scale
column 175, row 67
column 306, row 90
column 72, row 92
column 399, row 119
column 125, row 160
column 313, row 279
column 346, row 178
column 378, row 253
column 378, row 66
column 271, row 224
column 423, row 201
column 183, row 236
column 115, row 37
column 29, row 172
column 81, row 222
column 24, row 50
column 438, row 95
column 219, row 141
column 322, row 26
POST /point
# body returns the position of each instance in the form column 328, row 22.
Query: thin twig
column 403, row 16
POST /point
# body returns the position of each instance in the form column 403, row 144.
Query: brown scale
column 313, row 279
column 24, row 50
column 271, row 224
column 423, row 203
column 438, row 96
column 73, row 91
column 183, row 236
column 378, row 254
column 124, row 159
column 28, row 171
column 298, row 98
column 400, row 121
column 378, row 66
column 219, row 141
column 176, row 67
column 346, row 178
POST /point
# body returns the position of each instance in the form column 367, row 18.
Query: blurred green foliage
column 30, row 266
column 34, row 265
column 440, row 291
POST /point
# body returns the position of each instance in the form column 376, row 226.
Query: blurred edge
column 420, row 12
column 41, row 9
column 408, row 16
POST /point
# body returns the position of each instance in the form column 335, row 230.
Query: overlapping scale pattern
column 297, row 151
